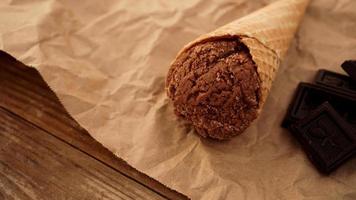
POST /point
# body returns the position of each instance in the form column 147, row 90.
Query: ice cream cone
column 267, row 34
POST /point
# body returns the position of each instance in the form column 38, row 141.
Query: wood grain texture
column 37, row 165
column 23, row 91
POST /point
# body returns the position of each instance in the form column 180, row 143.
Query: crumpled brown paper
column 107, row 61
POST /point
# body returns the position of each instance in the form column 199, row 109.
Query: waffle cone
column 267, row 33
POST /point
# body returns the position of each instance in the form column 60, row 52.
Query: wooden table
column 45, row 154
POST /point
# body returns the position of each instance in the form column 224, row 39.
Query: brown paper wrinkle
column 115, row 56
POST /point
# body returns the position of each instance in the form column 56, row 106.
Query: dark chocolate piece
column 350, row 68
column 337, row 81
column 309, row 96
column 326, row 138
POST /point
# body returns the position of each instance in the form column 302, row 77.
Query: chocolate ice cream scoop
column 215, row 86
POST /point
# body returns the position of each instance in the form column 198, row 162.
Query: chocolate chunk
column 309, row 96
column 326, row 138
column 337, row 81
column 350, row 68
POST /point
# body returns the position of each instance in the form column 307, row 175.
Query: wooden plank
column 37, row 165
column 23, row 91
